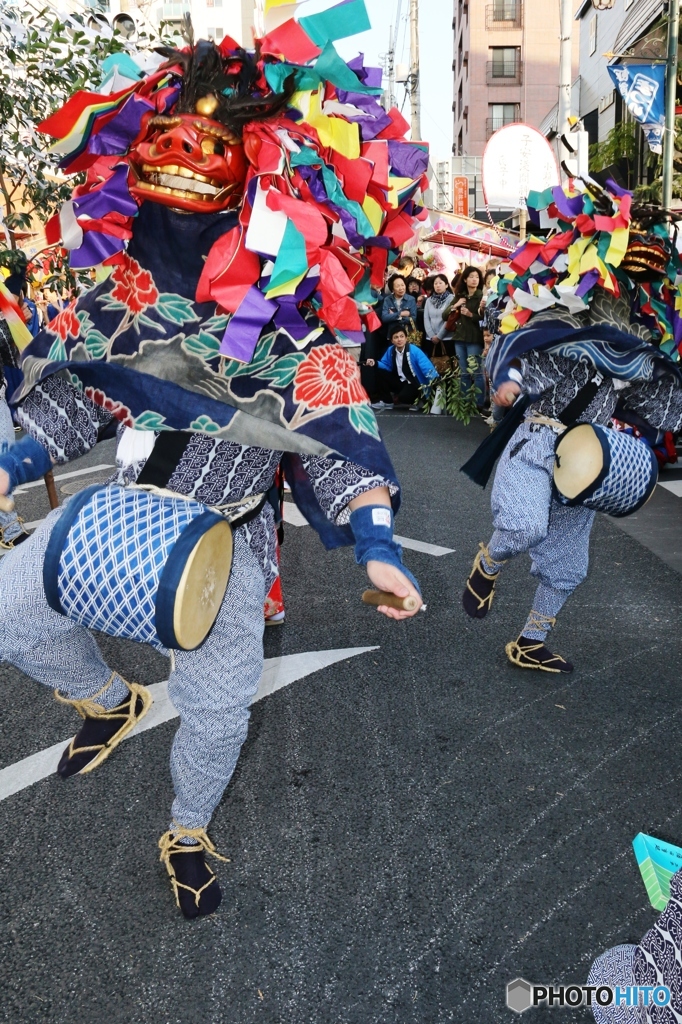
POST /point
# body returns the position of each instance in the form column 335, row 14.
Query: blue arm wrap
column 25, row 461
column 372, row 527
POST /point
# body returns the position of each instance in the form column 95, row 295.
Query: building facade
column 212, row 19
column 615, row 31
column 506, row 67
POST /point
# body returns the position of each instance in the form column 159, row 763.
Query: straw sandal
column 478, row 597
column 102, row 730
column 527, row 653
column 194, row 884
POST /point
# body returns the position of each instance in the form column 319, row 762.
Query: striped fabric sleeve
column 61, row 418
column 337, row 482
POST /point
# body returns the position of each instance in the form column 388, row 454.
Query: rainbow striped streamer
column 9, row 308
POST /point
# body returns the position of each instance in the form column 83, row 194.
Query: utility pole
column 565, row 76
column 670, row 101
column 391, row 69
column 414, row 70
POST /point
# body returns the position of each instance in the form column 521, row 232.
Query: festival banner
column 642, row 87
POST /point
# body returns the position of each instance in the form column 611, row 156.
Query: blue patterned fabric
column 140, row 346
column 629, row 476
column 602, row 346
column 616, row 967
column 113, row 556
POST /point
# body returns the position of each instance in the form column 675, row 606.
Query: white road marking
column 277, row 673
column 294, row 517
column 420, row 545
column 63, row 476
column 674, row 486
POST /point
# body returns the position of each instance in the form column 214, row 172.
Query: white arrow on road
column 277, row 673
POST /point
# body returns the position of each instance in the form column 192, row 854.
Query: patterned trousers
column 211, row 688
column 527, row 518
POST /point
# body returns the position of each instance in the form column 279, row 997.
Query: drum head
column 202, row 586
column 579, row 461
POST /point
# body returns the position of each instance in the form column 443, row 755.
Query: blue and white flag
column 642, row 87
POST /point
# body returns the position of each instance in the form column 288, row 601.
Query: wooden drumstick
column 6, row 503
column 380, row 597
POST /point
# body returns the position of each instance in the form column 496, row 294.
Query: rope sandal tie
column 9, row 545
column 170, row 844
column 483, row 603
column 527, row 653
column 129, row 712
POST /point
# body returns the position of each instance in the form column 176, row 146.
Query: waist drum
column 603, row 469
column 138, row 565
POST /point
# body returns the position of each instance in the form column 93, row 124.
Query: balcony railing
column 493, row 124
column 508, row 72
column 503, row 14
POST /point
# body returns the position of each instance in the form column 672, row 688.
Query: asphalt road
column 408, row 829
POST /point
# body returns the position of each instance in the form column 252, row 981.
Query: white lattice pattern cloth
column 113, row 557
column 629, row 479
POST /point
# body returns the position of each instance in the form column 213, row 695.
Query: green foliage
column 619, row 144
column 449, row 393
column 44, row 59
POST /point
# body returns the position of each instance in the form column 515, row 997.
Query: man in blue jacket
column 407, row 368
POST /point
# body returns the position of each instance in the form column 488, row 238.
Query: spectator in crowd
column 406, row 369
column 436, row 305
column 468, row 334
column 398, row 307
column 414, row 288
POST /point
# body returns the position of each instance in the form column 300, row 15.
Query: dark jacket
column 468, row 330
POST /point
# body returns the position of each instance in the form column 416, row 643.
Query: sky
column 435, row 43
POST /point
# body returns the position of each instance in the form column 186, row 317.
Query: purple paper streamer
column 117, row 135
column 113, row 196
column 370, row 76
column 374, row 118
column 245, row 328
column 568, row 208
column 587, row 282
column 96, row 248
column 407, row 160
column 616, row 189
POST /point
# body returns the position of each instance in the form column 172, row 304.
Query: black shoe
column 478, row 597
column 102, row 730
column 528, row 653
column 194, row 884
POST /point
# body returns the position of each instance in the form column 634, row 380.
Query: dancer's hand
column 507, row 393
column 387, row 578
column 4, row 482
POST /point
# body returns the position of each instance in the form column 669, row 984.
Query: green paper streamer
column 306, row 78
column 337, row 195
column 292, row 260
column 338, row 22
column 331, row 67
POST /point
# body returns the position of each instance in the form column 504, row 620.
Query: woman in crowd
column 435, row 328
column 398, row 307
column 468, row 334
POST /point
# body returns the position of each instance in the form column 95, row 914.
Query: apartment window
column 214, row 33
column 593, row 34
column 506, row 10
column 500, row 114
column 505, row 61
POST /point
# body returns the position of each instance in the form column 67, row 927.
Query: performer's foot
column 10, row 545
column 528, row 653
column 194, row 884
column 480, row 589
column 102, row 730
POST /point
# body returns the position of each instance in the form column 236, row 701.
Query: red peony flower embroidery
column 119, row 411
column 66, row 323
column 133, row 285
column 328, row 376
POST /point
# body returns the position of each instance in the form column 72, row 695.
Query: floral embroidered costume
column 246, row 204
column 586, row 363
